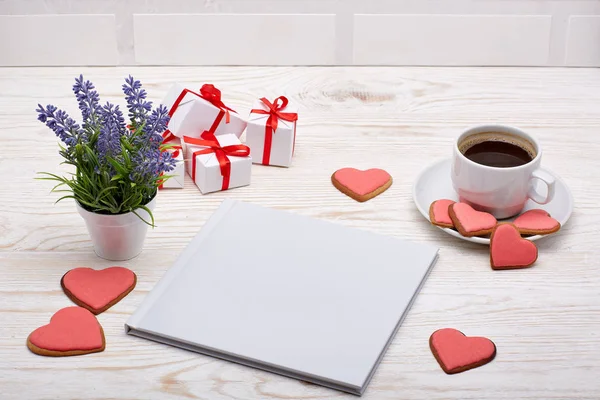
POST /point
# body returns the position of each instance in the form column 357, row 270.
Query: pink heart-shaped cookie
column 72, row 331
column 470, row 222
column 456, row 352
column 508, row 250
column 536, row 222
column 98, row 290
column 361, row 185
column 438, row 213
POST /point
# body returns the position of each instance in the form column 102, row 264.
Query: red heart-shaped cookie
column 536, row 222
column 470, row 222
column 456, row 352
column 438, row 213
column 72, row 331
column 361, row 185
column 98, row 290
column 508, row 250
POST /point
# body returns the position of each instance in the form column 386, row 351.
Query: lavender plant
column 118, row 167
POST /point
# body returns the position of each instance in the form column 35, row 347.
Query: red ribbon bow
column 222, row 154
column 275, row 114
column 213, row 95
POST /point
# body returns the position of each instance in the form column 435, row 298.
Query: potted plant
column 117, row 166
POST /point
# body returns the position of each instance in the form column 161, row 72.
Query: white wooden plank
column 235, row 39
column 583, row 41
column 451, row 39
column 58, row 40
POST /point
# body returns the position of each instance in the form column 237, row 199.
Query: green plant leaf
column 105, row 190
column 66, row 197
column 91, row 205
column 149, row 213
column 118, row 167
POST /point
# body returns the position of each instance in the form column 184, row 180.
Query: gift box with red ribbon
column 218, row 163
column 196, row 111
column 177, row 175
column 271, row 132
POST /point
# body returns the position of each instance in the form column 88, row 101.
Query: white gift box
column 194, row 115
column 177, row 179
column 282, row 142
column 206, row 170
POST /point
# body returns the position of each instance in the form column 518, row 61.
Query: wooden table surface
column 545, row 320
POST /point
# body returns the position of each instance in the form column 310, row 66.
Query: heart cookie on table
column 98, row 290
column 439, row 215
column 456, row 352
column 72, row 331
column 508, row 250
column 361, row 185
column 536, row 222
column 470, row 222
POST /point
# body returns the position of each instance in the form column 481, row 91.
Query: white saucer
column 434, row 183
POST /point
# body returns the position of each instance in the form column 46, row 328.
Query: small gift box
column 219, row 163
column 195, row 112
column 271, row 132
column 177, row 179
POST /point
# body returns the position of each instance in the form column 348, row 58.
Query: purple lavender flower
column 155, row 125
column 112, row 115
column 149, row 164
column 111, row 130
column 157, row 122
column 88, row 100
column 136, row 100
column 59, row 121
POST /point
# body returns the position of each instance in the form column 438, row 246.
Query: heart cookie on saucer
column 438, row 213
column 470, row 222
column 536, row 222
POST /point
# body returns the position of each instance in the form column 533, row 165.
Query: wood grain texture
column 544, row 320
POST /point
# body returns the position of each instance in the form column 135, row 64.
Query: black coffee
column 498, row 154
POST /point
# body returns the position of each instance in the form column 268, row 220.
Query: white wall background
column 300, row 32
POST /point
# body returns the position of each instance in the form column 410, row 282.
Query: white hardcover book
column 286, row 293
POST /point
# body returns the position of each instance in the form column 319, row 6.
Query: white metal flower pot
column 117, row 237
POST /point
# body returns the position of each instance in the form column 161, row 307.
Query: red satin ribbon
column 210, row 133
column 222, row 154
column 275, row 114
column 169, row 137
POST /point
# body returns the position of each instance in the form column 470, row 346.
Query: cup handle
column 548, row 180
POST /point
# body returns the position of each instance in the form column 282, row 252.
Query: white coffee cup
column 501, row 191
